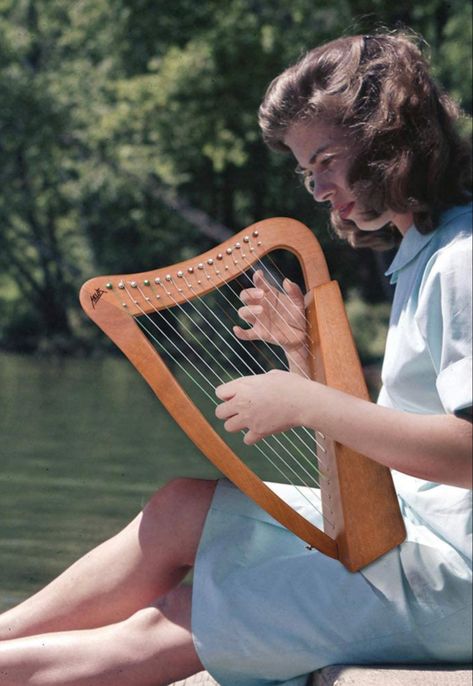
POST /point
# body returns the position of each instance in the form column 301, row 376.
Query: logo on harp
column 95, row 297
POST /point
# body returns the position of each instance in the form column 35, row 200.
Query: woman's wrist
column 298, row 359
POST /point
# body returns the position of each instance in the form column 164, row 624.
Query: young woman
column 375, row 139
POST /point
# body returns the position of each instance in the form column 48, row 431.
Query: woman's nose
column 321, row 191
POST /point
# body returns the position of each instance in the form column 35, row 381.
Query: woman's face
column 324, row 154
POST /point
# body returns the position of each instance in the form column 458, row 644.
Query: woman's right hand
column 274, row 316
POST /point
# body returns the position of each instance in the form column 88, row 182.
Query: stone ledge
column 415, row 675
column 200, row 679
column 343, row 675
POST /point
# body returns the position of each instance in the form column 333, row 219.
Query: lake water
column 83, row 444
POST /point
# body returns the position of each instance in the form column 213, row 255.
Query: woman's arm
column 433, row 447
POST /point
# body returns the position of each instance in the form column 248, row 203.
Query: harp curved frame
column 357, row 492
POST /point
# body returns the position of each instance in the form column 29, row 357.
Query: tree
column 130, row 136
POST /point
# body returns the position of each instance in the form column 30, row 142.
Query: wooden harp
column 362, row 520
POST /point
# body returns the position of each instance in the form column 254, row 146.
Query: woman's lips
column 345, row 210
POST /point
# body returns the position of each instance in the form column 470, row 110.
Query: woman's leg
column 152, row 648
column 141, row 563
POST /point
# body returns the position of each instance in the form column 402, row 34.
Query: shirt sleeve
column 444, row 317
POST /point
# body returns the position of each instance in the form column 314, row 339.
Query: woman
column 374, row 138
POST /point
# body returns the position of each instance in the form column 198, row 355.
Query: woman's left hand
column 263, row 403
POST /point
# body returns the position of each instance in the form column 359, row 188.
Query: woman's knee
column 174, row 608
column 163, row 631
column 178, row 510
column 182, row 495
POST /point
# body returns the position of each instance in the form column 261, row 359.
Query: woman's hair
column 378, row 88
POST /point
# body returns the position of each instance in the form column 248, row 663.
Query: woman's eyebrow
column 320, row 149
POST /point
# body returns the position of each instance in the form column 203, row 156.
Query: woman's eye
column 325, row 162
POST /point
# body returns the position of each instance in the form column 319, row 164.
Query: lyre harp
column 365, row 520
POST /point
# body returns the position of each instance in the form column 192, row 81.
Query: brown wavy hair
column 378, row 88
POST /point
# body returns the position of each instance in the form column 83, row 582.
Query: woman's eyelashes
column 326, row 162
column 322, row 164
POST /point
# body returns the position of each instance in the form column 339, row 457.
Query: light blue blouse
column 427, row 366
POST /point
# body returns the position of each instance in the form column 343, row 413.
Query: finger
column 225, row 391
column 256, row 276
column 251, row 294
column 234, row 424
column 261, row 282
column 245, row 334
column 250, row 313
column 225, row 410
column 293, row 290
column 251, row 437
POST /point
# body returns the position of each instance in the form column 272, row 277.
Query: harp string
column 283, row 304
column 280, row 290
column 281, row 360
column 270, row 361
column 235, row 368
column 245, row 274
column 218, row 289
column 305, row 346
column 239, row 249
column 219, row 378
column 211, row 398
column 265, row 455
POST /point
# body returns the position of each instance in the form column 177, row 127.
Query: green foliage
column 108, row 103
column 369, row 323
column 454, row 63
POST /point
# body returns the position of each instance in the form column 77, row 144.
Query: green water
column 83, row 444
